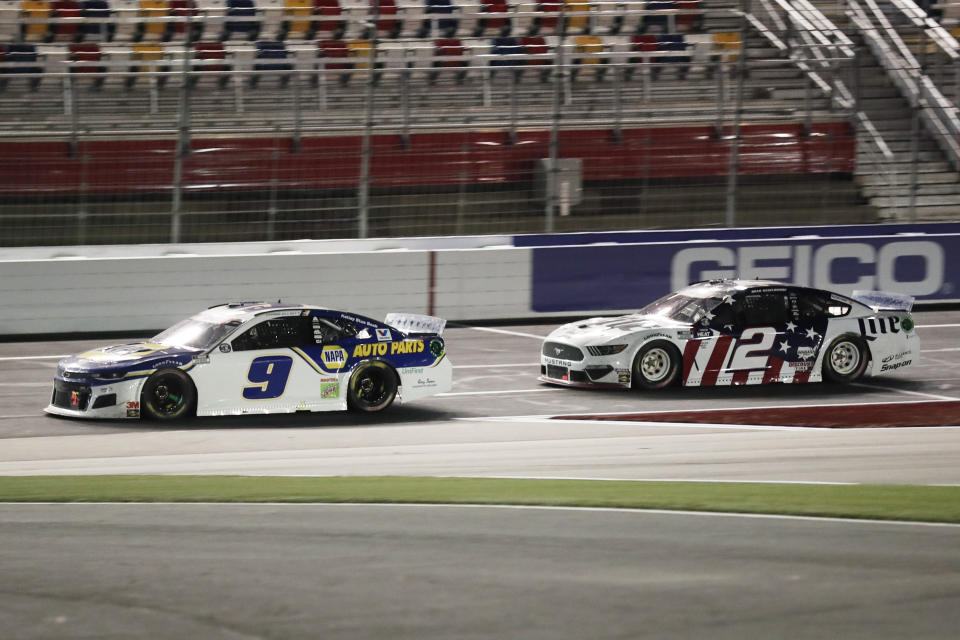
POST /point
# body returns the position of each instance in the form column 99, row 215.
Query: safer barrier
column 465, row 278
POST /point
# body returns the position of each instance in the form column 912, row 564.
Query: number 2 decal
column 269, row 377
column 752, row 348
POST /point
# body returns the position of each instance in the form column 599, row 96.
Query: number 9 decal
column 269, row 377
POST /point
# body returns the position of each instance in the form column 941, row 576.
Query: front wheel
column 656, row 366
column 845, row 359
column 373, row 387
column 167, row 395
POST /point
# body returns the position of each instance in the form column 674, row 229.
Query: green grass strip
column 885, row 502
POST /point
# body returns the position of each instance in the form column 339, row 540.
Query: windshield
column 680, row 307
column 193, row 334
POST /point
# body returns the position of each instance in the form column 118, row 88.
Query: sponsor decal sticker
column 334, row 357
column 383, row 335
column 436, row 348
column 425, row 383
column 907, row 323
column 801, row 366
column 896, row 356
column 224, row 348
column 895, row 365
column 330, row 390
column 556, row 362
column 805, row 353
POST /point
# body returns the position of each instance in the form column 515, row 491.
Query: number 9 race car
column 253, row 357
column 734, row 332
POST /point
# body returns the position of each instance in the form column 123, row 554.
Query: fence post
column 559, row 72
column 363, row 190
column 734, row 166
column 182, row 148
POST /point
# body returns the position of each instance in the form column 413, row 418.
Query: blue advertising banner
column 628, row 276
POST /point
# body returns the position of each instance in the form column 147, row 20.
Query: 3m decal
column 269, row 377
column 334, row 357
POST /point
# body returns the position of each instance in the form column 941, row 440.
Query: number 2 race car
column 733, row 332
column 258, row 358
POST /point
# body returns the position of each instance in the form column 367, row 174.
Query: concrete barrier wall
column 57, row 290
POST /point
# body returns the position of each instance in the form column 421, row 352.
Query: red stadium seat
column 210, row 53
column 448, row 47
column 87, row 52
column 499, row 25
column 333, row 28
column 64, row 9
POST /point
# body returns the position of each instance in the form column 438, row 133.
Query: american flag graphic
column 757, row 355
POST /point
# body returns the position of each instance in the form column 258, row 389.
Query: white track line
column 525, row 507
column 936, row 326
column 904, row 391
column 6, row 358
column 939, row 350
column 509, row 333
column 495, row 366
column 25, row 384
column 492, row 393
column 693, row 480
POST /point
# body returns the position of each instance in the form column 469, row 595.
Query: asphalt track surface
column 240, row 571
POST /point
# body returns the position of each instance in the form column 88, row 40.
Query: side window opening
column 275, row 333
column 766, row 309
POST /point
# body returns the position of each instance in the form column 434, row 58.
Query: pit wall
column 143, row 288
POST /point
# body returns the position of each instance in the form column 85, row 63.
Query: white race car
column 733, row 332
column 258, row 358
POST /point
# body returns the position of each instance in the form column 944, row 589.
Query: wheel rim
column 168, row 395
column 371, row 387
column 655, row 365
column 845, row 358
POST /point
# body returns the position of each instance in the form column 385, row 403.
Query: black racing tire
column 656, row 366
column 845, row 359
column 168, row 394
column 373, row 387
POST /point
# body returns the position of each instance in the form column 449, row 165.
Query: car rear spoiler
column 887, row 300
column 415, row 323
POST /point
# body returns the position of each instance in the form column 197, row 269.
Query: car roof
column 243, row 311
column 721, row 288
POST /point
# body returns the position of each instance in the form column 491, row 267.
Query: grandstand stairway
column 888, row 186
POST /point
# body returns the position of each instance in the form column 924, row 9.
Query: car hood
column 597, row 331
column 126, row 357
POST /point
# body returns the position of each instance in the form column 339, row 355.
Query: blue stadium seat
column 271, row 50
column 248, row 29
column 20, row 53
column 446, row 27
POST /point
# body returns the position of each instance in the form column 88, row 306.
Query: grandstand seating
column 284, row 20
column 449, row 47
column 87, row 52
column 271, row 50
column 19, row 58
column 64, row 9
column 150, row 54
column 209, row 53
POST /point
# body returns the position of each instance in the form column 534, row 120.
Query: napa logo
column 334, row 357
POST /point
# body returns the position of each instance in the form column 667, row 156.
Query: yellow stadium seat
column 295, row 11
column 35, row 9
column 727, row 41
column 154, row 9
column 359, row 49
column 577, row 23
column 588, row 44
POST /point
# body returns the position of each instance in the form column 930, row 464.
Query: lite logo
column 863, row 266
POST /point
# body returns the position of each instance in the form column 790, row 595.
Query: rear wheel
column 656, row 366
column 845, row 359
column 373, row 387
column 168, row 395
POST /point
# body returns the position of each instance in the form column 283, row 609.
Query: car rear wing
column 415, row 323
column 886, row 300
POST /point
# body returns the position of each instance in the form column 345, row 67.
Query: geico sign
column 808, row 266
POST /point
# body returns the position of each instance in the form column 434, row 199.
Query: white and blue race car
column 736, row 332
column 253, row 357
